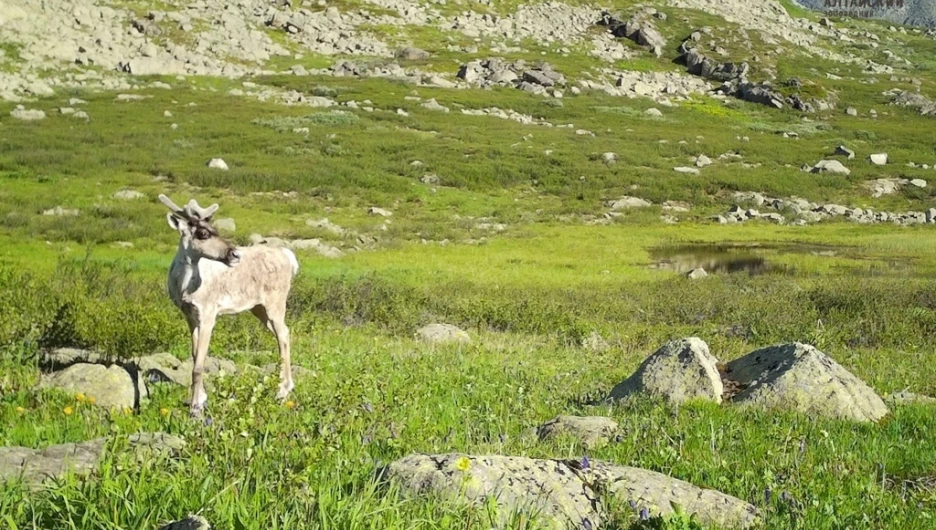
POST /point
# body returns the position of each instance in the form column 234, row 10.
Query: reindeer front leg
column 201, row 337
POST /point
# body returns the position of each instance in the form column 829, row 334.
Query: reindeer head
column 199, row 238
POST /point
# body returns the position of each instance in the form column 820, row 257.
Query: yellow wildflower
column 67, row 411
column 462, row 464
column 80, row 397
column 290, row 404
column 91, row 400
column 20, row 410
column 128, row 411
column 164, row 411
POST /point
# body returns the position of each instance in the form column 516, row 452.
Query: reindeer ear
column 176, row 222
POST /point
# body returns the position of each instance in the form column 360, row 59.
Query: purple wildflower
column 368, row 407
column 632, row 504
column 208, row 422
column 586, row 524
column 644, row 514
column 585, row 463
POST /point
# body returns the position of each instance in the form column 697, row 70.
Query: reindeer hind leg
column 275, row 321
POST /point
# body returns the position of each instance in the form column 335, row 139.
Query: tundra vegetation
column 524, row 233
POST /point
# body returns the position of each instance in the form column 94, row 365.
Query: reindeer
column 210, row 277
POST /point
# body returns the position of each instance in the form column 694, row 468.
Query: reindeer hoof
column 283, row 393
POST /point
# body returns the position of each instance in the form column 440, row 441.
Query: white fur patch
column 292, row 260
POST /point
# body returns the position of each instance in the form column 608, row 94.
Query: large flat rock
column 35, row 466
column 559, row 493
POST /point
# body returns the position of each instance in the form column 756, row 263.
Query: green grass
column 528, row 295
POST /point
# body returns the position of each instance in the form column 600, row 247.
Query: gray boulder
column 225, row 225
column 696, row 274
column 592, row 432
column 167, row 368
column 558, row 493
column 679, row 371
column 760, row 93
column 830, row 166
column 412, row 54
column 442, row 334
column 35, row 466
column 28, row 114
column 799, row 377
column 110, row 386
column 628, row 202
column 878, row 159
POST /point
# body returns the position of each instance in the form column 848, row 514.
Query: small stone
column 919, row 183
column 878, row 159
column 373, row 210
column 442, row 334
column 844, row 151
column 28, row 114
column 217, row 163
column 627, row 202
column 687, row 170
column 128, row 195
column 696, row 274
column 702, row 161
column 609, row 157
column 225, row 225
column 654, row 113
column 592, row 432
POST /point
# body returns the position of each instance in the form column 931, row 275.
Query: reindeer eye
column 202, row 233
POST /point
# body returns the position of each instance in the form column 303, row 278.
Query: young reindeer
column 210, row 277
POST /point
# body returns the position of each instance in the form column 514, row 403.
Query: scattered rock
column 919, row 183
column 28, row 115
column 217, row 163
column 702, row 161
column 432, row 104
column 696, row 274
column 687, row 170
column 36, row 466
column 225, row 224
column 442, row 334
column 373, row 210
column 412, row 54
column 628, row 202
column 844, row 151
column 679, row 371
column 878, row 159
column 653, row 113
column 128, row 195
column 799, row 377
column 830, row 166
column 595, row 342
column 609, row 157
column 592, row 432
column 851, row 111
column 905, row 397
column 59, row 212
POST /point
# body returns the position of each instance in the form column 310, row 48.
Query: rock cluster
column 531, row 78
column 638, row 28
column 804, row 212
column 792, row 377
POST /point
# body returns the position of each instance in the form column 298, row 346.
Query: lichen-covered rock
column 34, row 466
column 442, row 334
column 192, row 522
column 656, row 493
column 801, row 378
column 905, row 397
column 547, row 488
column 110, row 386
column 679, row 371
column 559, row 494
column 591, row 431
